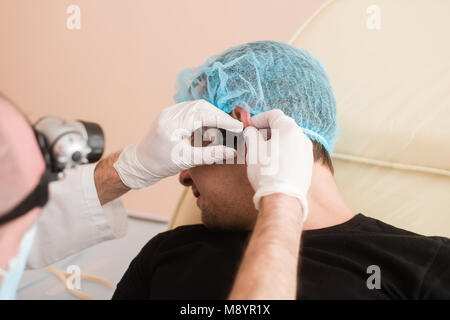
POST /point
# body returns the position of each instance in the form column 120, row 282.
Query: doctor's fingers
column 273, row 119
column 254, row 140
column 208, row 115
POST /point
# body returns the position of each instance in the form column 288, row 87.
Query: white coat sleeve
column 73, row 219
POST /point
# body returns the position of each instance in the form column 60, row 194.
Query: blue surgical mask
column 16, row 266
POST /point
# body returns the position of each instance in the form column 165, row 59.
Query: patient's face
column 224, row 195
column 223, row 192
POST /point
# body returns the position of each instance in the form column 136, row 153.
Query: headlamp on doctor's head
column 64, row 145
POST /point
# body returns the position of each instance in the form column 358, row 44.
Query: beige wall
column 119, row 69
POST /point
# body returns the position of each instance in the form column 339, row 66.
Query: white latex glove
column 288, row 167
column 157, row 155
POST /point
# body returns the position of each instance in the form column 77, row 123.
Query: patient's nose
column 185, row 178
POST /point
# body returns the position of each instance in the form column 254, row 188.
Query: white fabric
column 166, row 150
column 73, row 219
column 282, row 164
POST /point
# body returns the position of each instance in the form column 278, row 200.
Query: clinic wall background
column 119, row 69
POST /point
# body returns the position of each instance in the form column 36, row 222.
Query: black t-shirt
column 192, row 262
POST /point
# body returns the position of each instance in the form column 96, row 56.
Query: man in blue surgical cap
column 289, row 233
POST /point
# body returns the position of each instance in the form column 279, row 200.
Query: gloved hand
column 158, row 155
column 288, row 169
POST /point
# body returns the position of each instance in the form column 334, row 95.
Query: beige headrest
column 389, row 67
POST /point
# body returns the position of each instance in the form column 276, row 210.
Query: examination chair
column 388, row 63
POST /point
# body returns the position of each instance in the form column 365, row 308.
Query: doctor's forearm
column 269, row 268
column 107, row 180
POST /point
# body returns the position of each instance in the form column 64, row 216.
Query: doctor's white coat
column 73, row 219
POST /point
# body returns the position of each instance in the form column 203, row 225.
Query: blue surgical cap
column 265, row 75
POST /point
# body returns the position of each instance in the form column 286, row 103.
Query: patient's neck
column 326, row 206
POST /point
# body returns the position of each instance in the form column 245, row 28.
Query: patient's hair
column 322, row 156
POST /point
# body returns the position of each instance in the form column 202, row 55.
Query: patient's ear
column 185, row 178
column 242, row 115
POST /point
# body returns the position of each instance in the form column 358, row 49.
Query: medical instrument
column 68, row 144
